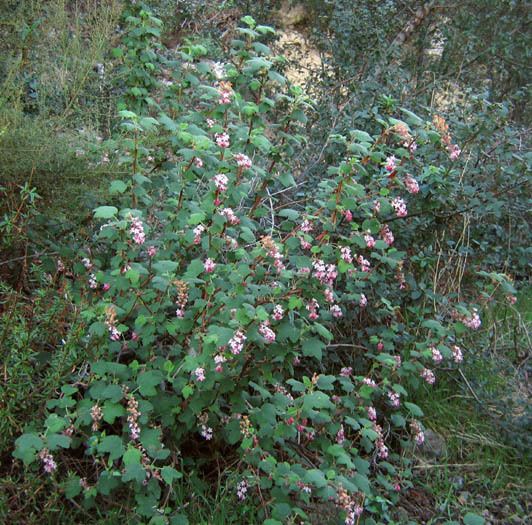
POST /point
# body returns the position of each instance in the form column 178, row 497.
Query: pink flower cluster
column 363, row 301
column 454, row 151
column 369, row 240
column 225, row 91
column 387, row 235
column 209, row 265
column 399, row 205
column 229, row 214
column 241, row 490
column 391, row 163
column 206, row 432
column 312, row 307
column 278, row 312
column 363, row 263
column 198, row 230
column 457, row 354
column 372, row 413
column 473, row 321
column 336, row 311
column 394, row 399
column 340, row 435
column 48, row 462
column 267, row 332
column 220, row 181
column 419, row 435
column 198, row 162
column 436, row 355
column 346, row 371
column 346, row 254
column 411, row 184
column 222, row 140
column 325, row 273
column 219, row 360
column 306, row 226
column 243, row 161
column 199, row 373
column 236, row 343
column 137, row 230
column 428, row 376
column 133, row 414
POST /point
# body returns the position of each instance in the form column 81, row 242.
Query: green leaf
column 313, row 348
column 134, row 472
column 413, row 409
column 113, row 446
column 194, row 269
column 117, row 186
column 147, row 382
column 26, row 446
column 54, row 423
column 105, row 212
column 169, row 474
column 165, row 266
column 473, row 519
column 132, row 456
column 316, row 477
column 54, row 441
column 111, row 411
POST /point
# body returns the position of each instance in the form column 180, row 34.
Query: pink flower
column 372, row 413
column 348, row 215
column 336, row 311
column 370, row 241
column 346, row 255
column 340, row 435
column 457, row 354
column 364, row 264
column 49, row 465
column 369, row 382
column 86, row 262
column 229, row 214
column 206, row 432
column 243, row 161
column 180, row 313
column 428, row 376
column 209, row 265
column 454, row 151
column 394, row 399
column 325, row 273
column 220, row 181
column 306, row 226
column 346, row 371
column 222, row 139
column 93, row 283
column 137, row 230
column 305, row 245
column 387, row 235
column 267, row 332
column 473, row 321
column 312, row 308
column 106, row 287
column 198, row 162
column 198, row 230
column 512, row 299
column 210, row 122
column 241, row 490
column 329, row 295
column 219, row 360
column 436, row 355
column 380, row 346
column 152, row 251
column 278, row 312
column 399, row 206
column 200, row 374
column 376, row 207
column 411, row 184
column 114, row 334
column 236, row 343
column 390, row 163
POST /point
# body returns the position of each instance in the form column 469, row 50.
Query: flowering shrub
column 227, row 314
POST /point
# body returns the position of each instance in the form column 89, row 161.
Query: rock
column 434, row 445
